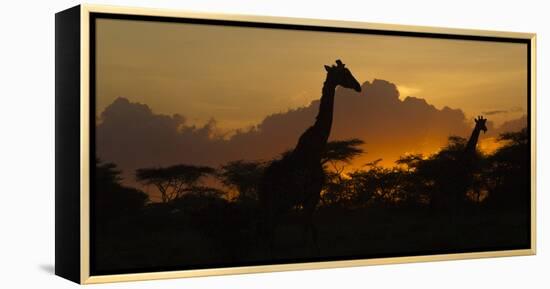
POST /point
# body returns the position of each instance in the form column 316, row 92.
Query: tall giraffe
column 296, row 180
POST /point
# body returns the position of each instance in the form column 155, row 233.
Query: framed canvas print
column 190, row 144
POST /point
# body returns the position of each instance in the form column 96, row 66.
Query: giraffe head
column 481, row 123
column 340, row 75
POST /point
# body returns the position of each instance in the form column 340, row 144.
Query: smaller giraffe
column 474, row 137
column 466, row 165
column 457, row 174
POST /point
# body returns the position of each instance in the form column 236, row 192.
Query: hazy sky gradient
column 159, row 85
column 241, row 75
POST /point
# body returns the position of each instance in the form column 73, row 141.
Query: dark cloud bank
column 133, row 136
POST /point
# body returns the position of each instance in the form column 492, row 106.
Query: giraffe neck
column 312, row 142
column 472, row 142
column 323, row 121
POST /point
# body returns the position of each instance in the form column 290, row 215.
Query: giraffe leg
column 310, row 236
column 265, row 235
column 314, row 237
column 271, row 240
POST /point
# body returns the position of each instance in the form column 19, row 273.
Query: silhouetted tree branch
column 343, row 150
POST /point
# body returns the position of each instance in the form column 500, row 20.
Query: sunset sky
column 169, row 93
column 240, row 75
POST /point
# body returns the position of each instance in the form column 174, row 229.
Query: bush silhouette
column 111, row 199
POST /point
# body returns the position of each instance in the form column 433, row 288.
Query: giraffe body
column 460, row 174
column 295, row 181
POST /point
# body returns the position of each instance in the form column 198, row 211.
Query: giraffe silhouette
column 295, row 181
column 469, row 161
column 470, row 149
column 459, row 175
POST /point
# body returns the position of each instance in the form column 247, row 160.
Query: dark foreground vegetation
column 434, row 204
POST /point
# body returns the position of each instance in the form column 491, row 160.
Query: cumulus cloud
column 493, row 112
column 509, row 126
column 503, row 111
column 133, row 136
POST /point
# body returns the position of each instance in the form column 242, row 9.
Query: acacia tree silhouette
column 338, row 154
column 174, row 181
column 243, row 176
column 296, row 180
column 508, row 173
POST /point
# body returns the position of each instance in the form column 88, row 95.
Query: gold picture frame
column 73, row 136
